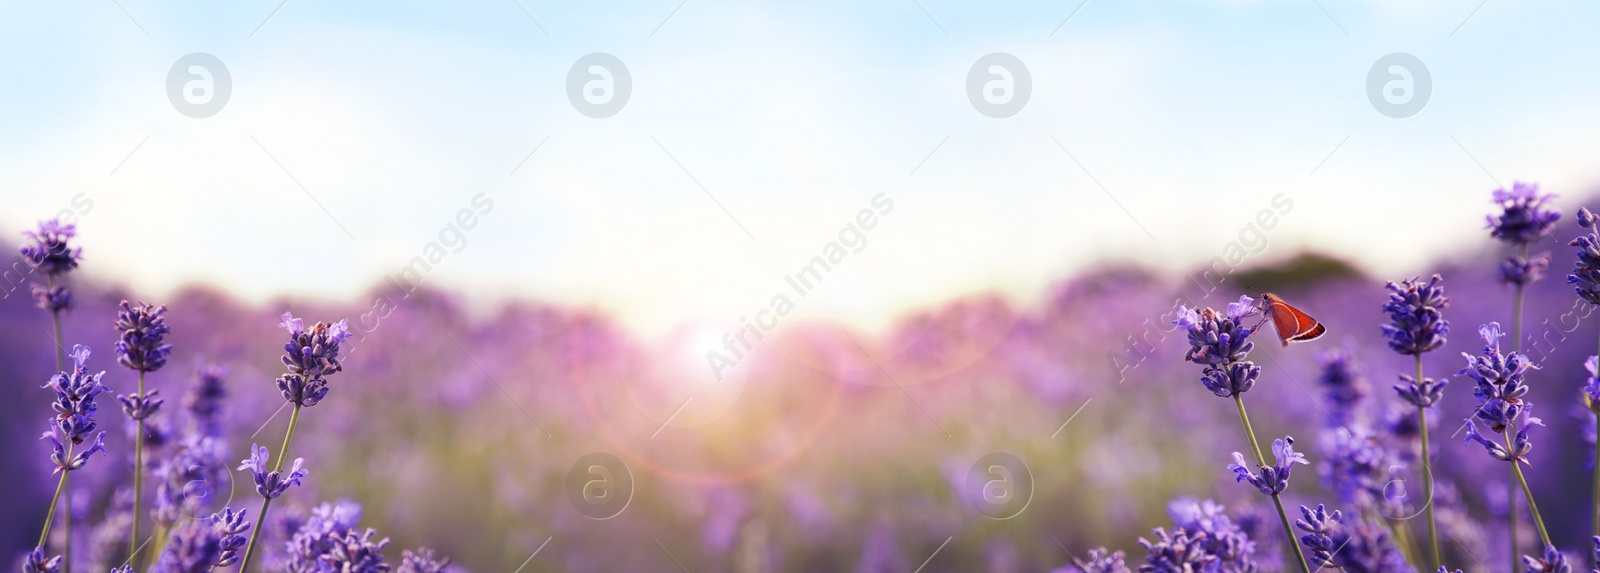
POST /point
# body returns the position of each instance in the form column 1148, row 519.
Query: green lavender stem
column 1283, row 516
column 61, row 486
column 1594, row 505
column 138, row 478
column 1511, row 496
column 1526, row 491
column 1427, row 477
column 55, row 319
column 255, row 532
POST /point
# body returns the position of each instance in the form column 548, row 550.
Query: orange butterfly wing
column 1292, row 324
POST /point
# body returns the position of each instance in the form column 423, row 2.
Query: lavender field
column 1109, row 403
column 733, row 286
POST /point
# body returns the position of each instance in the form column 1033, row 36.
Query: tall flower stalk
column 141, row 331
column 1500, row 392
column 1585, row 278
column 1417, row 325
column 47, row 251
column 1220, row 344
column 70, row 427
column 311, row 355
column 1525, row 217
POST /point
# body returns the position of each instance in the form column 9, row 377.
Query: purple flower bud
column 423, row 561
column 271, row 484
column 1416, row 318
column 53, row 299
column 1421, row 394
column 1100, row 561
column 1585, row 276
column 1553, row 561
column 141, row 331
column 1516, row 270
column 1525, row 216
column 47, row 250
column 35, row 562
column 140, row 406
column 1272, row 480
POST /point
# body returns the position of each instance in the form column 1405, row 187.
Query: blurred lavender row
column 457, row 430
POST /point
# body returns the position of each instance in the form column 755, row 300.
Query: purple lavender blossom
column 314, row 537
column 357, row 552
column 271, row 484
column 1220, row 343
column 194, row 546
column 1516, row 270
column 1178, row 552
column 1274, row 479
column 35, row 562
column 423, row 561
column 1416, row 321
column 312, row 354
column 1520, row 445
column 1585, row 276
column 1346, row 387
column 75, row 397
column 204, row 399
column 1208, row 522
column 1353, row 465
column 1525, row 215
column 140, row 406
column 141, row 334
column 188, row 479
column 48, row 250
column 1499, row 377
column 1553, row 561
column 1422, row 394
column 232, row 526
column 1100, row 561
column 1361, row 547
column 1591, row 385
column 53, row 299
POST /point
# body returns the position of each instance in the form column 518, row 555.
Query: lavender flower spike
column 1554, row 561
column 1318, row 525
column 1591, row 387
column 1585, row 276
column 1525, row 214
column 47, row 250
column 1516, row 270
column 1521, row 445
column 35, row 562
column 1499, row 378
column 1272, row 480
column 1416, row 321
column 1420, row 394
column 232, row 525
column 423, row 561
column 1220, row 343
column 311, row 355
column 142, row 331
column 1100, row 561
column 271, row 484
column 59, row 454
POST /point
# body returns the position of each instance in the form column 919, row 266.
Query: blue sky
column 756, row 130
